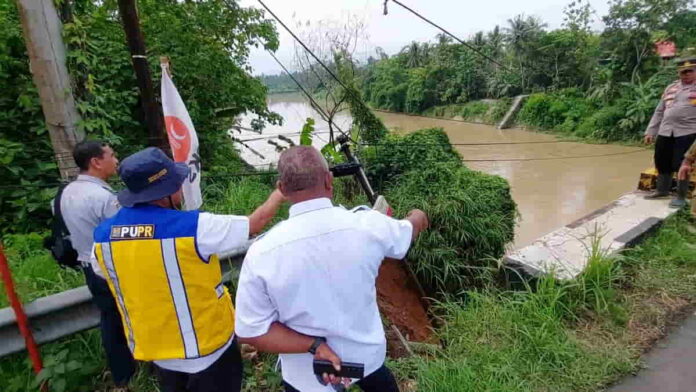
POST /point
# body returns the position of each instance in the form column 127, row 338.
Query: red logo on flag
column 179, row 138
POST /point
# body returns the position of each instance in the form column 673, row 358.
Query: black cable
column 314, row 103
column 470, row 47
column 467, row 144
column 358, row 98
column 554, row 158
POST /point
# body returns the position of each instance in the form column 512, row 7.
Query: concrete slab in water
column 565, row 251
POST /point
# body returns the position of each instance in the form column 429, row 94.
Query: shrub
column 602, row 124
column 498, row 111
column 395, row 155
column 475, row 110
column 472, row 216
column 561, row 111
column 535, row 112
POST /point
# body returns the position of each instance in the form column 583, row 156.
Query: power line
column 328, row 70
column 314, row 103
column 555, row 158
column 273, row 173
column 472, row 48
column 469, row 144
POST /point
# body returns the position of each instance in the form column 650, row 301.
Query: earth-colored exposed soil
column 400, row 301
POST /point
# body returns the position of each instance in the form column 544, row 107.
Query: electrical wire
column 469, row 46
column 471, row 144
column 314, row 103
column 328, row 70
column 555, row 158
column 273, row 173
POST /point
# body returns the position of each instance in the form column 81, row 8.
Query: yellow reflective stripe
column 111, row 271
column 178, row 291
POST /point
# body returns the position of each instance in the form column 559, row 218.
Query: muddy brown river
column 553, row 183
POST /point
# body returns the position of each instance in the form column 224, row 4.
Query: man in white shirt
column 307, row 287
column 84, row 204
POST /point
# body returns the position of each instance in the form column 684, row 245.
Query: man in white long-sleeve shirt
column 307, row 288
column 84, row 204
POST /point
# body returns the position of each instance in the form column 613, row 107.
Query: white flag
column 182, row 139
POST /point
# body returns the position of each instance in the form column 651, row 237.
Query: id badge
column 692, row 98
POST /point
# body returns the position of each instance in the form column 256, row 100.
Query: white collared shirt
column 85, row 203
column 316, row 273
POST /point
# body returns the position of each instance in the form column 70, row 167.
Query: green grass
column 473, row 218
column 578, row 335
column 34, row 271
column 474, row 111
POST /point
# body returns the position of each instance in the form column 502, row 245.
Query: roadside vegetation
column 599, row 85
column 576, row 335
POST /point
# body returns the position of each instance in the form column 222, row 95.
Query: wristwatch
column 315, row 345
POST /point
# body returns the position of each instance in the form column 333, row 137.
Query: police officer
column 84, row 204
column 674, row 125
column 162, row 267
column 685, row 170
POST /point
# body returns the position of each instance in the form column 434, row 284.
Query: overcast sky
column 393, row 31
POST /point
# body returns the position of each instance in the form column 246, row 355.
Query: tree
column 628, row 37
column 331, row 40
column 523, row 36
column 208, row 42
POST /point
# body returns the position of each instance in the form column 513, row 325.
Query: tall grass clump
column 395, row 155
column 501, row 341
column 472, row 216
column 472, row 213
column 36, row 274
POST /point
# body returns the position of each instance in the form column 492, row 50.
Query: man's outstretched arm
column 265, row 213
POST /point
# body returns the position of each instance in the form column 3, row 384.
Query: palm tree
column 495, row 42
column 414, row 55
column 521, row 36
column 478, row 40
column 522, row 31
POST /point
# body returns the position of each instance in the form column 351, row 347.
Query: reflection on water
column 552, row 183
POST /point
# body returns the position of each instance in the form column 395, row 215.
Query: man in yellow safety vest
column 161, row 265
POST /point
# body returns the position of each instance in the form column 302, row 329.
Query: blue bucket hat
column 150, row 175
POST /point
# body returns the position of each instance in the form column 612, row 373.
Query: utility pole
column 151, row 108
column 43, row 36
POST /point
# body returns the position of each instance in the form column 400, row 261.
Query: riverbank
column 534, row 116
column 579, row 335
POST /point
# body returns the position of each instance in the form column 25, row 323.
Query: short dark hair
column 86, row 150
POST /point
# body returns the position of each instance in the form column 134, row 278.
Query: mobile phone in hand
column 348, row 369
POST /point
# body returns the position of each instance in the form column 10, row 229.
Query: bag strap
column 59, row 222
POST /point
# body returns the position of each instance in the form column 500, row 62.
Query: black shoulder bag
column 59, row 242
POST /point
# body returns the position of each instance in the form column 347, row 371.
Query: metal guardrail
column 72, row 311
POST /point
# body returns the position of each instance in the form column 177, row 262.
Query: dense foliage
column 208, row 42
column 472, row 213
column 609, row 72
column 281, row 83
